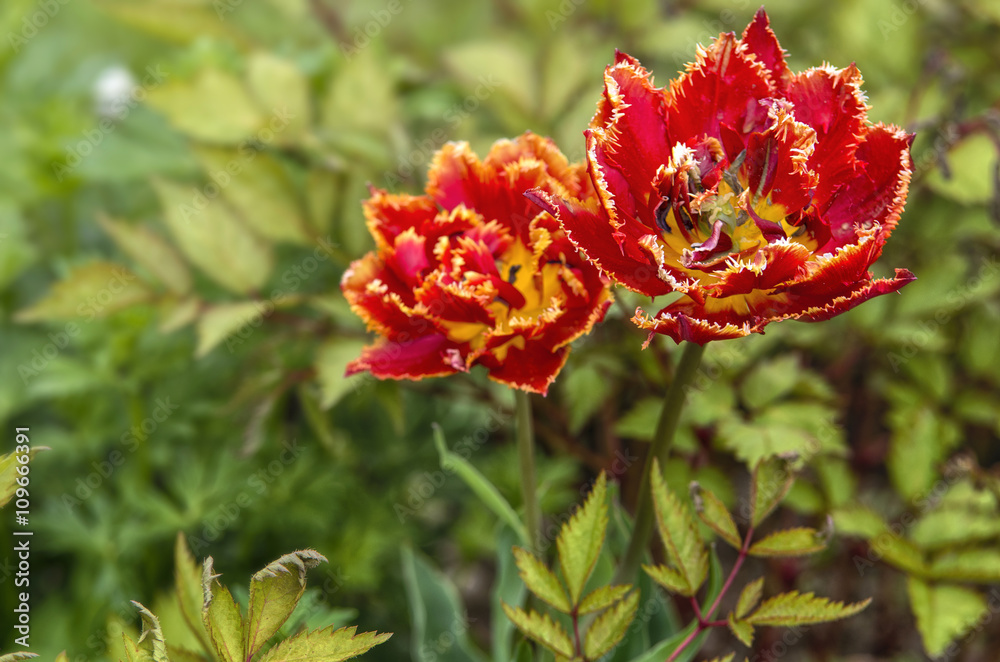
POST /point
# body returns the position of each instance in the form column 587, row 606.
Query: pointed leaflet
column 187, row 580
column 152, row 635
column 944, row 612
column 609, row 628
column 221, row 616
column 602, row 597
column 741, row 629
column 790, row 542
column 326, row 645
column 274, row 592
column 132, row 652
column 669, row 579
column 540, row 580
column 151, row 251
column 580, row 539
column 772, row 478
column 715, row 515
column 17, row 657
column 796, row 608
column 542, row 629
column 8, row 473
column 749, row 597
column 685, row 549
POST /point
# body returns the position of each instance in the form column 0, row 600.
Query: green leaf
column 968, row 565
column 742, row 630
column 220, row 321
column 602, row 597
column 214, row 240
column 914, row 451
column 749, row 597
column 326, row 645
column 214, row 107
column 507, row 587
column 857, row 520
column 17, row 252
column 944, row 612
column 668, row 578
column 151, row 634
column 610, row 627
column 790, row 542
column 500, row 66
column 221, row 616
column 663, row 649
column 89, row 291
column 969, row 166
column 151, row 251
column 437, row 614
column 361, row 96
column 580, row 539
column 8, row 473
column 488, row 494
column 771, row 480
column 274, row 592
column 685, row 550
column 332, row 358
column 176, row 20
column 640, row 421
column 770, row 380
column 132, row 651
column 796, row 608
column 586, row 388
column 899, row 552
column 279, row 86
column 948, row 527
column 187, row 580
column 16, row 657
column 715, row 515
column 258, row 190
column 540, row 580
column 542, row 629
column 728, row 658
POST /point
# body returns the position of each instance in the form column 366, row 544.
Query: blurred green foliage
column 179, row 195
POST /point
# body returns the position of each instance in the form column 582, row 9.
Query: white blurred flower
column 113, row 91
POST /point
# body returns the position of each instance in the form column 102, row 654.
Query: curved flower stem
column 526, row 459
column 663, row 440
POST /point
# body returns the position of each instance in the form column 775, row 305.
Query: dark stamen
column 660, row 214
column 512, row 274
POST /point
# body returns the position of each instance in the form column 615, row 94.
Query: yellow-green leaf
column 540, row 580
column 180, row 21
column 214, row 107
column 716, row 516
column 89, row 291
column 944, row 612
column 602, row 597
column 741, row 629
column 857, row 520
column 770, row 482
column 749, row 597
column 187, row 579
column 221, row 616
column 542, row 629
column 151, row 251
column 326, row 645
column 968, row 565
column 789, row 542
column 610, row 627
column 278, row 85
column 670, row 579
column 16, row 657
column 580, row 539
column 223, row 320
column 796, row 608
column 685, row 550
column 331, row 362
column 214, row 239
column 274, row 592
column 151, row 635
column 8, row 473
column 361, row 96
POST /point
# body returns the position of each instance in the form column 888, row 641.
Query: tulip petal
column 427, row 356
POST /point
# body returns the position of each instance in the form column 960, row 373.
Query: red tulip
column 473, row 273
column 755, row 193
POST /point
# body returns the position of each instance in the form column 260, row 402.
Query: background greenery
column 178, row 340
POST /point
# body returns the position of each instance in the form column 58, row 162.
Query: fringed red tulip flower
column 473, row 273
column 756, row 193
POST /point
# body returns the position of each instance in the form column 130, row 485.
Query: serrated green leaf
column 540, row 580
column 89, row 291
column 741, row 629
column 326, row 645
column 279, row 86
column 685, row 550
column 794, row 608
column 132, row 651
column 221, row 616
column 274, row 592
column 152, row 635
column 770, row 482
column 789, row 542
column 16, row 657
column 968, row 565
column 949, row 527
column 749, row 597
column 542, row 629
column 214, row 107
column 602, row 597
column 943, row 612
column 187, row 580
column 213, row 239
column 668, row 578
column 716, row 516
column 151, row 251
column 580, row 539
column 770, row 380
column 899, row 552
column 610, row 627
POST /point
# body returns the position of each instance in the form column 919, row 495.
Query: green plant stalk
column 663, row 440
column 526, row 460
